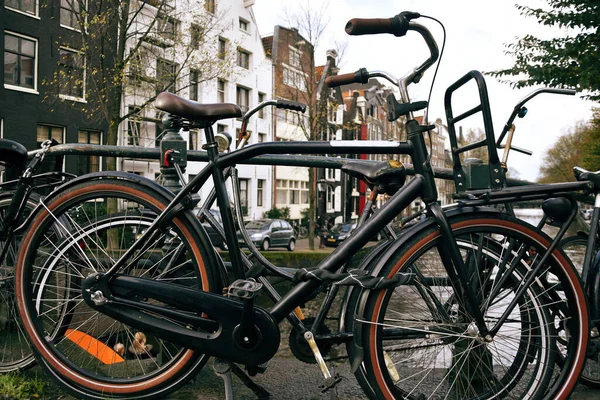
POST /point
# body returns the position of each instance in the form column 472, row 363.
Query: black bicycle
column 17, row 199
column 452, row 307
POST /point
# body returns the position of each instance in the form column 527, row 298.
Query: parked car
column 268, row 233
column 215, row 238
column 338, row 233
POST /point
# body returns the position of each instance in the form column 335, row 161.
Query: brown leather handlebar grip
column 339, row 80
column 368, row 26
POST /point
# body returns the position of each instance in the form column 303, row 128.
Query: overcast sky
column 476, row 33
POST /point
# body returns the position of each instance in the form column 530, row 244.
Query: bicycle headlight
column 223, row 140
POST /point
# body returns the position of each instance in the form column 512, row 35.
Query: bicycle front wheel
column 421, row 342
column 92, row 354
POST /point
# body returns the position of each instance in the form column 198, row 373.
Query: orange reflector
column 93, row 346
column 299, row 313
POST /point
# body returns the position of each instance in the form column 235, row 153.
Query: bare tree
column 137, row 49
column 309, row 24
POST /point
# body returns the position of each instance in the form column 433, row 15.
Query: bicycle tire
column 430, row 373
column 15, row 353
column 575, row 248
column 94, row 356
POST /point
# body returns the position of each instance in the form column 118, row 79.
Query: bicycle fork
column 457, row 271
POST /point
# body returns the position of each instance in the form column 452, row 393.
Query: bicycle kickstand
column 223, row 369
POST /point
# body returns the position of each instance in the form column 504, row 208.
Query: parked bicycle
column 455, row 306
column 17, row 199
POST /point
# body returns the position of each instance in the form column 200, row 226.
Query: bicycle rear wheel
column 92, row 354
column 419, row 341
column 15, row 353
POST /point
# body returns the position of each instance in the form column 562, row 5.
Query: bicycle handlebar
column 360, row 76
column 290, row 105
column 397, row 26
column 519, row 106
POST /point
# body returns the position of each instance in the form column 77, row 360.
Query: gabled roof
column 267, row 43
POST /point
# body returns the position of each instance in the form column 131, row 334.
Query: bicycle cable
column 426, row 116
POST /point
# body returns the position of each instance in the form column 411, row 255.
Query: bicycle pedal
column 330, row 383
column 244, row 288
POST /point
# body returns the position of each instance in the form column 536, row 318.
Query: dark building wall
column 21, row 111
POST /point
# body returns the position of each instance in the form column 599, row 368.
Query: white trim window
column 69, row 14
column 20, row 62
column 244, row 25
column 294, row 57
column 293, row 78
column 71, row 74
column 221, row 90
column 243, row 58
column 243, row 98
column 27, row 7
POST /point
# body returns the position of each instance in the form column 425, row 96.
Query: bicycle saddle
column 584, row 175
column 195, row 111
column 12, row 153
column 388, row 176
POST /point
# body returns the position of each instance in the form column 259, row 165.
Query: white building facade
column 241, row 75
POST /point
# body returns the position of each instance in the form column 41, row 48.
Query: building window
column 197, row 33
column 243, row 98
column 166, row 74
column 138, row 64
column 221, row 128
column 294, row 79
column 330, row 174
column 210, row 6
column 281, row 191
column 243, row 25
column 243, row 59
column 45, row 132
column 26, row 6
column 260, row 186
column 304, row 192
column 222, row 50
column 166, row 27
column 194, row 86
column 261, row 98
column 330, row 198
column 294, row 58
column 262, row 137
column 220, row 91
column 294, row 192
column 244, row 195
column 88, row 164
column 20, row 66
column 69, row 14
column 193, row 143
column 71, row 76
